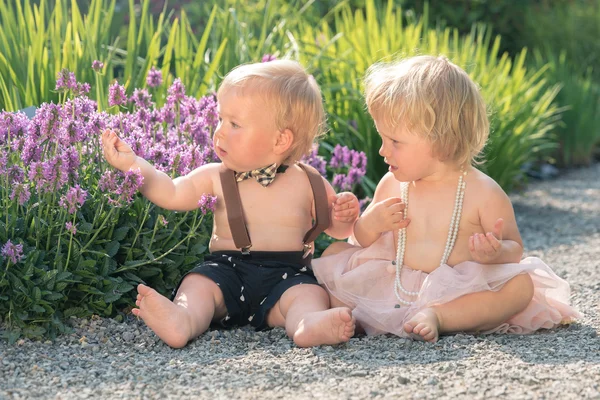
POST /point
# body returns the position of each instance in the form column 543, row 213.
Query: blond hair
column 433, row 98
column 293, row 94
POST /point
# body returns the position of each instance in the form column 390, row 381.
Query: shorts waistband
column 281, row 256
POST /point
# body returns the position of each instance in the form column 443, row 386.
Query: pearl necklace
column 452, row 233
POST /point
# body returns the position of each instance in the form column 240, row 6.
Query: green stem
column 98, row 212
column 133, row 266
column 177, row 226
column 137, row 234
column 5, row 270
column 70, row 242
column 153, row 234
column 59, row 240
column 50, row 220
column 99, row 229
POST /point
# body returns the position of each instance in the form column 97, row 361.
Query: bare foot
column 170, row 322
column 325, row 327
column 425, row 325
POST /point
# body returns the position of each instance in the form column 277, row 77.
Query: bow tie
column 264, row 175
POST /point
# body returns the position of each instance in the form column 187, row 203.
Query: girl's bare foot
column 425, row 324
column 170, row 322
column 325, row 327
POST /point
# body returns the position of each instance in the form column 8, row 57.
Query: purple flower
column 116, row 95
column 268, row 57
column 154, row 77
column 132, row 181
column 176, row 92
column 340, row 157
column 15, row 174
column 141, row 98
column 97, row 65
column 207, row 203
column 81, row 89
column 14, row 252
column 354, row 176
column 65, row 81
column 108, row 181
column 74, row 199
column 71, row 228
column 13, row 125
column 3, row 161
column 21, row 193
column 315, row 160
column 339, row 182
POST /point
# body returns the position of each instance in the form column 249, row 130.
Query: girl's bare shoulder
column 387, row 187
column 486, row 188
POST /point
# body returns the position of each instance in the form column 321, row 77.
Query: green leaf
column 74, row 311
column 112, row 248
column 120, row 233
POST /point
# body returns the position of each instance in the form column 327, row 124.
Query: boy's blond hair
column 433, row 98
column 293, row 94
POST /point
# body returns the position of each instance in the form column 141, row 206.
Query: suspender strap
column 322, row 219
column 235, row 213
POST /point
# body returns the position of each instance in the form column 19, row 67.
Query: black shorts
column 252, row 284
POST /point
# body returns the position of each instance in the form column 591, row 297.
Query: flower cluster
column 66, row 81
column 13, row 252
column 74, row 199
column 54, row 161
column 207, row 203
column 154, row 77
column 347, row 166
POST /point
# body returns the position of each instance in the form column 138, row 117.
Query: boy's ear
column 285, row 139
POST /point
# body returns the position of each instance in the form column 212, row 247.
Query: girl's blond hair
column 293, row 94
column 434, row 98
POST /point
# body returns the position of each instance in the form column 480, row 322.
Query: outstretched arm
column 180, row 194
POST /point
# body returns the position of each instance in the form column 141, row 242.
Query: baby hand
column 387, row 215
column 345, row 207
column 486, row 248
column 117, row 152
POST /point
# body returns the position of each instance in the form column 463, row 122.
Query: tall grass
column 520, row 102
column 37, row 42
column 578, row 134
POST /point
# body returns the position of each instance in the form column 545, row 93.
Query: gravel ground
column 560, row 222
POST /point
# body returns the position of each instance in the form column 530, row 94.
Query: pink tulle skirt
column 363, row 278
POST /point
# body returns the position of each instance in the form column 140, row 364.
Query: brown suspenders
column 235, row 213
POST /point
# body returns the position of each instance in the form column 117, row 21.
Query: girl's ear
column 284, row 142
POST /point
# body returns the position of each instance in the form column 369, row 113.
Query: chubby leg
column 479, row 311
column 198, row 301
column 304, row 312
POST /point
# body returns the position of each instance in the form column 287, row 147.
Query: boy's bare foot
column 325, row 327
column 169, row 321
column 425, row 325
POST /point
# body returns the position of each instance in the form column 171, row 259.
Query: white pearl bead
column 452, row 234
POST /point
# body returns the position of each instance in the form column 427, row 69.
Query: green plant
column 522, row 112
column 36, row 43
column 75, row 236
column 579, row 132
